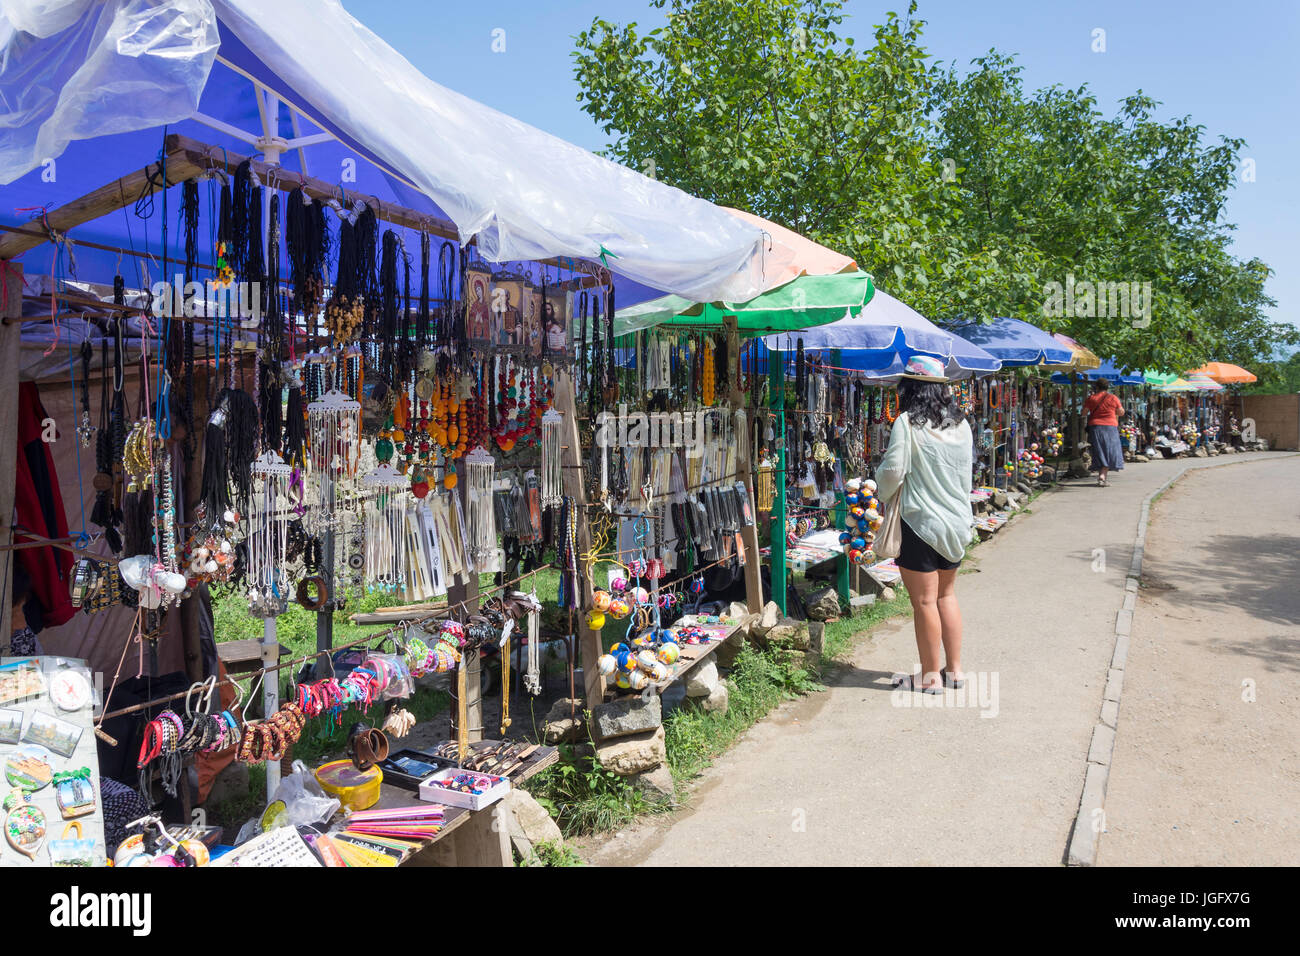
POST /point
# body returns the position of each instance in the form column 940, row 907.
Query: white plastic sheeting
column 77, row 69
column 130, row 64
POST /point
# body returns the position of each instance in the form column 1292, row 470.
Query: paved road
column 846, row 777
column 1206, row 768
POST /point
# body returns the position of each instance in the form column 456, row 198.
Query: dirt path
column 1206, row 768
column 864, row 775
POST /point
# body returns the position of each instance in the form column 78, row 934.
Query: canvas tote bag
column 889, row 539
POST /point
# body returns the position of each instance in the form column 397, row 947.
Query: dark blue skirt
column 1106, row 450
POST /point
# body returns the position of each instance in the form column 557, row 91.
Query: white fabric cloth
column 936, row 492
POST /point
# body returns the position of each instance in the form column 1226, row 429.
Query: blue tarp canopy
column 89, row 87
column 1015, row 342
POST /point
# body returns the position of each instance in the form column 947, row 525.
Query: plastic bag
column 305, row 802
column 397, row 673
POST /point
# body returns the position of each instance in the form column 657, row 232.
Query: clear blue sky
column 1232, row 67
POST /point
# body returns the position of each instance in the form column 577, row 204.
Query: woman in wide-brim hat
column 930, row 455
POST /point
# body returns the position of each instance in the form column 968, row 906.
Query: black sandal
column 908, row 682
column 955, row 683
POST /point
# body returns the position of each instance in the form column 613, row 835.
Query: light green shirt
column 936, row 495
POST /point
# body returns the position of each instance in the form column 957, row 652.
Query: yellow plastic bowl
column 356, row 789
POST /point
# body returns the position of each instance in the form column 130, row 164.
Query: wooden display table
column 468, row 837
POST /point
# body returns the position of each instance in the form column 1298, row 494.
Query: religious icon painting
column 478, row 306
column 555, row 323
column 508, row 295
column 533, row 330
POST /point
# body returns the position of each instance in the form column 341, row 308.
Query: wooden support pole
column 465, row 594
column 11, row 307
column 103, row 201
column 745, row 468
column 571, row 461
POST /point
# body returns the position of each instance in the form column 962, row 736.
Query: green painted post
column 776, row 389
column 841, row 512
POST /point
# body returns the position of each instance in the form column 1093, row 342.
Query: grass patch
column 583, row 797
column 759, row 680
column 548, row 854
column 840, row 635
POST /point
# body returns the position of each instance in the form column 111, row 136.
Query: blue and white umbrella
column 884, row 335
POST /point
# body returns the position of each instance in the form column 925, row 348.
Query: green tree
column 764, row 106
column 961, row 192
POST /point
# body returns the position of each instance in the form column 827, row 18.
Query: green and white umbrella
column 801, row 303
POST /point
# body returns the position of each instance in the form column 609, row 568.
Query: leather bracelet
column 302, row 594
column 245, row 752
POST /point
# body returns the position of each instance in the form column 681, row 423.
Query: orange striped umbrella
column 1224, row 373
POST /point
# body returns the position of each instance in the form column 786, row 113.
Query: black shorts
column 916, row 555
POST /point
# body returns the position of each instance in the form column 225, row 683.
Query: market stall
column 343, row 390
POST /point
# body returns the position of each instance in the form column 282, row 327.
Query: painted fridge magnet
column 20, row 681
column 74, row 793
column 24, row 824
column 29, row 767
column 11, row 725
column 71, row 850
column 48, row 731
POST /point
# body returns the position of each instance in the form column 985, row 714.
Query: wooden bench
column 242, row 657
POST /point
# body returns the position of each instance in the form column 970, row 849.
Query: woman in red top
column 1104, row 412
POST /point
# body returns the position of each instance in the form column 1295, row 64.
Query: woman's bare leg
column 949, row 621
column 923, row 591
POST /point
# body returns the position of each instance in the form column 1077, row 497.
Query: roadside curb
column 1090, row 821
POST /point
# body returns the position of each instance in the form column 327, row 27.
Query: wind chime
column 552, row 469
column 333, row 448
column 268, row 536
column 385, row 530
column 481, row 520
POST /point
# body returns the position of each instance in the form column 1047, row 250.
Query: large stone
column 887, row 595
column 789, row 633
column 529, row 822
column 767, row 620
column 701, row 679
column 730, row 649
column 1201, row 452
column 737, row 611
column 656, row 784
column 565, row 722
column 635, row 754
column 1000, row 500
column 869, row 584
column 626, row 715
column 816, row 636
column 1079, row 468
column 1048, row 473
column 823, row 605
column 1141, row 458
column 719, row 698
column 718, row 701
